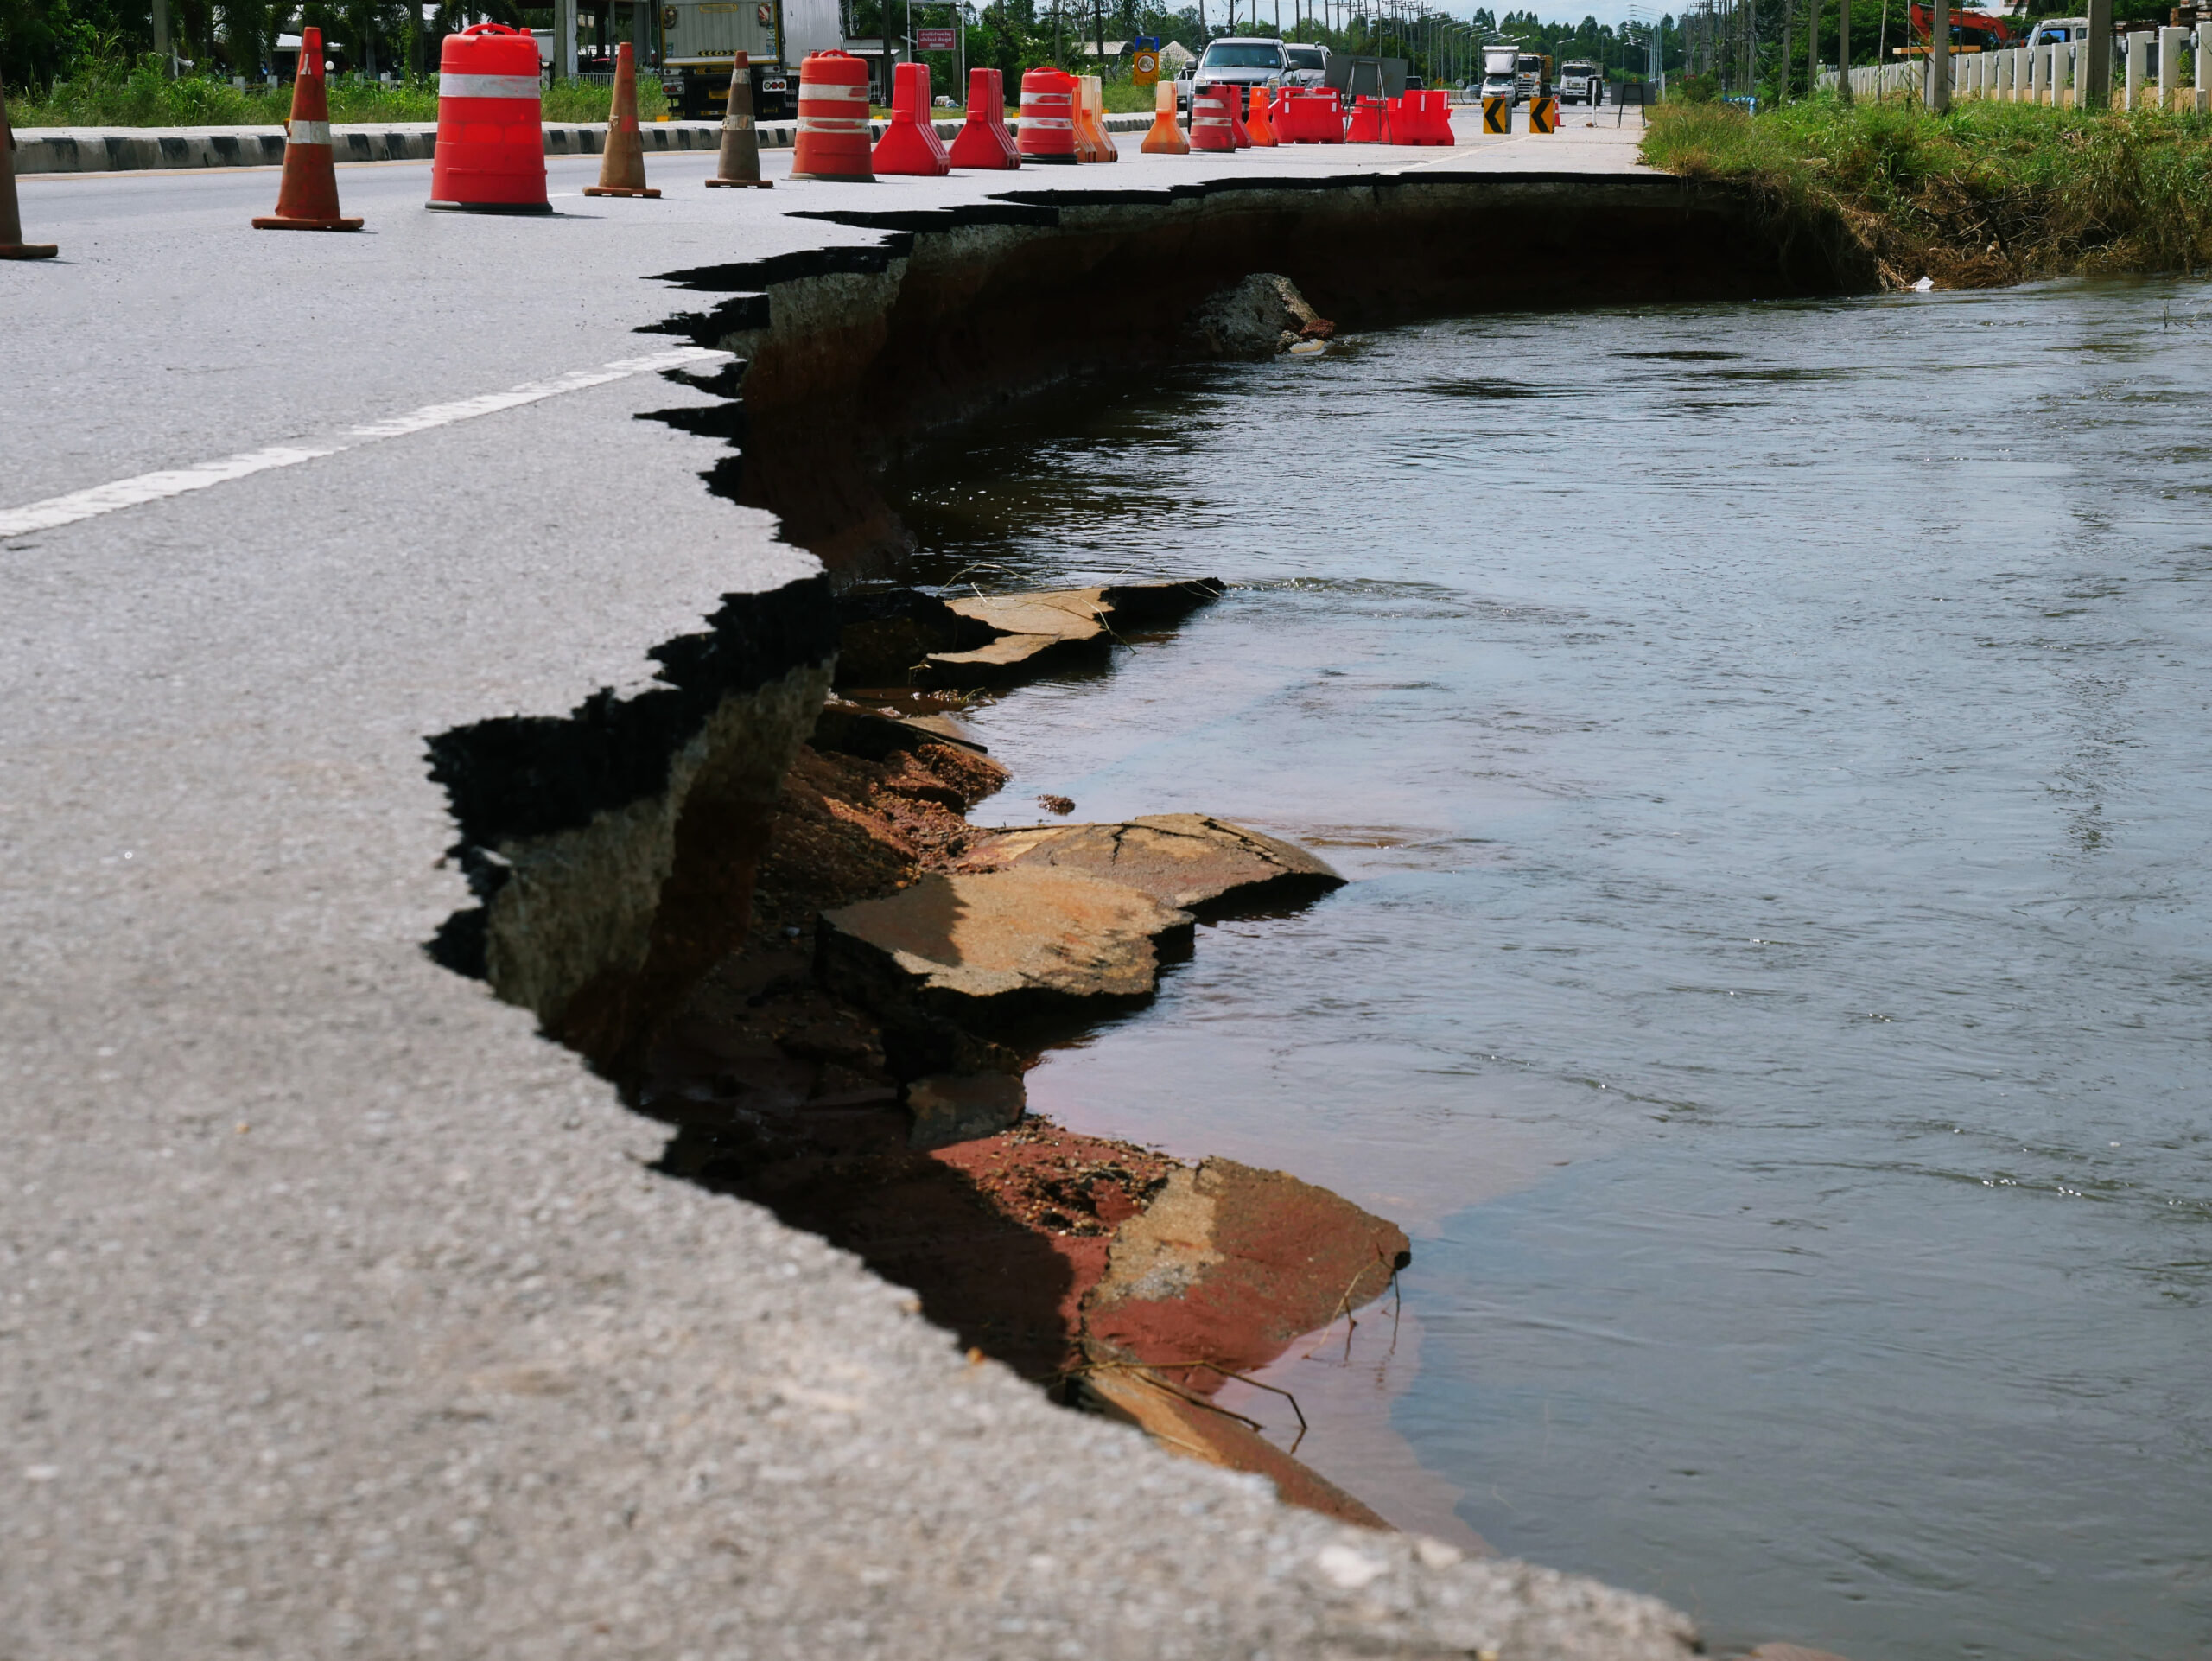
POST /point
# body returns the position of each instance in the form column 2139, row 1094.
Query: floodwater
column 1770, row 745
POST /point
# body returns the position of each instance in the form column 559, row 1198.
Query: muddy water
column 1771, row 744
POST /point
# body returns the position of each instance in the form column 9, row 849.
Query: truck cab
column 1581, row 81
column 1532, row 73
column 704, row 36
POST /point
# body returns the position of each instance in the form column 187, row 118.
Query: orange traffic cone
column 1256, row 123
column 12, row 245
column 1165, row 137
column 738, row 167
column 622, row 167
column 307, row 195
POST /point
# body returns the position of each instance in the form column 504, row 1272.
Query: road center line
column 58, row 511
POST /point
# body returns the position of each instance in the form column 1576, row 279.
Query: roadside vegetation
column 104, row 92
column 1986, row 194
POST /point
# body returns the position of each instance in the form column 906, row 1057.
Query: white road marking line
column 58, row 511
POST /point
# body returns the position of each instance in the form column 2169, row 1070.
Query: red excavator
column 1992, row 29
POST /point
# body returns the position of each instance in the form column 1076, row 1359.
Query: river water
column 1770, row 745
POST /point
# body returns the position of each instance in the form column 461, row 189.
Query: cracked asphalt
column 341, row 1312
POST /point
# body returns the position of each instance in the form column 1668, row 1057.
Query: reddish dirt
column 782, row 1093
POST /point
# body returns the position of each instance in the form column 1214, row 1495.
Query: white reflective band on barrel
column 832, row 124
column 488, row 87
column 814, row 89
column 1029, row 120
column 309, row 132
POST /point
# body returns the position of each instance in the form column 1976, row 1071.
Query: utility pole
column 161, row 33
column 2098, row 70
column 1939, row 57
column 1843, row 52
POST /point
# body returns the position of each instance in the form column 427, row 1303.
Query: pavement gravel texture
column 342, row 1315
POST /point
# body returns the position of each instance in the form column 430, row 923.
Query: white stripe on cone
column 488, row 87
column 308, row 133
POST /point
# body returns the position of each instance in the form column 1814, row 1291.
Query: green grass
column 1989, row 193
column 105, row 94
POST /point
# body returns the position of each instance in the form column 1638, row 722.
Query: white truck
column 1533, row 72
column 1581, row 81
column 1500, row 64
column 703, row 37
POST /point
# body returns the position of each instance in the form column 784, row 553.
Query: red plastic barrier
column 983, row 140
column 910, row 144
column 1371, row 122
column 1310, row 118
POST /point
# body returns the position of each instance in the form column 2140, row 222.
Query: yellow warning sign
column 1543, row 115
column 1144, row 69
column 1497, row 115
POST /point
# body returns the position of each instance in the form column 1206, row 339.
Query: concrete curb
column 95, row 150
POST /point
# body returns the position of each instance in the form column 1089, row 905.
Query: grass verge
column 1986, row 194
column 110, row 94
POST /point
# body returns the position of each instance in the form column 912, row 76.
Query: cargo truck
column 703, row 37
column 1533, row 73
column 1498, row 77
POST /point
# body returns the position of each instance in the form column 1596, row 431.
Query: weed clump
column 1984, row 194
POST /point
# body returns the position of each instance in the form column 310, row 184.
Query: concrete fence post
column 2170, row 45
column 2137, row 60
column 2204, row 58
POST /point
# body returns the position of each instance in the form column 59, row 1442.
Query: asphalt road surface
column 341, row 1315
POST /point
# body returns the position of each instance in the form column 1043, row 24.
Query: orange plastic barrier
column 1243, row 134
column 910, row 143
column 832, row 143
column 1211, row 124
column 490, row 153
column 1165, row 137
column 983, row 140
column 1095, row 87
column 1047, row 117
column 622, row 163
column 307, row 196
column 1256, row 121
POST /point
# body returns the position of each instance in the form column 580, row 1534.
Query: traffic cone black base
column 740, row 184
column 615, row 190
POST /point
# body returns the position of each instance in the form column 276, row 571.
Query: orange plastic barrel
column 833, row 120
column 1047, row 132
column 490, row 153
column 1210, row 119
